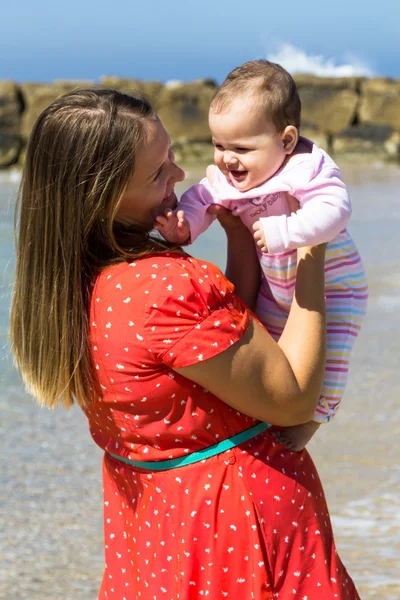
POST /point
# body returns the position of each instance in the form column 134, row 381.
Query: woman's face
column 151, row 189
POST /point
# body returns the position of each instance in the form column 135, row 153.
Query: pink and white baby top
column 314, row 179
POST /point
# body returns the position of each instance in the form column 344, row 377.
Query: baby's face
column 247, row 147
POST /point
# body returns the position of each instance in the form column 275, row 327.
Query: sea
column 51, row 544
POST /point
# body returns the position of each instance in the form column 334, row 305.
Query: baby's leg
column 346, row 294
column 345, row 312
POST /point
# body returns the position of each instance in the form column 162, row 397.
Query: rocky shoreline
column 350, row 117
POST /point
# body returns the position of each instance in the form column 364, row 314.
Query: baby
column 260, row 159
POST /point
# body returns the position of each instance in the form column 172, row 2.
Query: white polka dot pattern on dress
column 210, row 529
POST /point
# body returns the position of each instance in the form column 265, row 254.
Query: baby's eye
column 218, row 146
column 240, row 149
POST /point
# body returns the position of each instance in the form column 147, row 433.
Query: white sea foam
column 297, row 60
column 377, row 514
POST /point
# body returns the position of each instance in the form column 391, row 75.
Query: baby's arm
column 325, row 209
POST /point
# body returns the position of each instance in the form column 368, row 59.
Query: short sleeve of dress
column 192, row 314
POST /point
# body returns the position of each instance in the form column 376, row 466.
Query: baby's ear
column 290, row 137
column 210, row 172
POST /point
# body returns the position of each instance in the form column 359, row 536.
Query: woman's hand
column 226, row 218
column 293, row 204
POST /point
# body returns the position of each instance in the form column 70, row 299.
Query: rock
column 333, row 83
column 188, row 153
column 184, row 111
column 37, row 96
column 10, row 148
column 150, row 89
column 11, row 107
column 207, row 82
column 328, row 104
column 313, row 133
column 392, row 146
column 342, row 115
column 183, row 107
column 366, row 140
column 380, row 102
column 76, row 83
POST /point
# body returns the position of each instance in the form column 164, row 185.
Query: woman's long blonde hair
column 79, row 160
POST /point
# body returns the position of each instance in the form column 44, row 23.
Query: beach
column 50, row 471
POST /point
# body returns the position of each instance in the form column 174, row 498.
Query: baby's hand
column 174, row 227
column 260, row 237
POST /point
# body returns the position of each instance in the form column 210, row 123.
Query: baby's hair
column 270, row 84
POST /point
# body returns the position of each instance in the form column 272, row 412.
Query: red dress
column 249, row 523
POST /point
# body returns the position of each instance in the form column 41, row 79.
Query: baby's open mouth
column 237, row 175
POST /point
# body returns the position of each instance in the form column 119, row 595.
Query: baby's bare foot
column 295, row 438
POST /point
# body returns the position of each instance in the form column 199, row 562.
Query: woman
column 178, row 380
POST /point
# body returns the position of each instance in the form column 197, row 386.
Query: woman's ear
column 289, row 137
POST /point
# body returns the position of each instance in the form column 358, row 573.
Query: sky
column 43, row 40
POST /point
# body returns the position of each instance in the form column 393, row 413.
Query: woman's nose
column 179, row 174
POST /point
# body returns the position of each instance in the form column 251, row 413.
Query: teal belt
column 194, row 457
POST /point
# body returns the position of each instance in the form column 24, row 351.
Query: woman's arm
column 243, row 267
column 277, row 383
